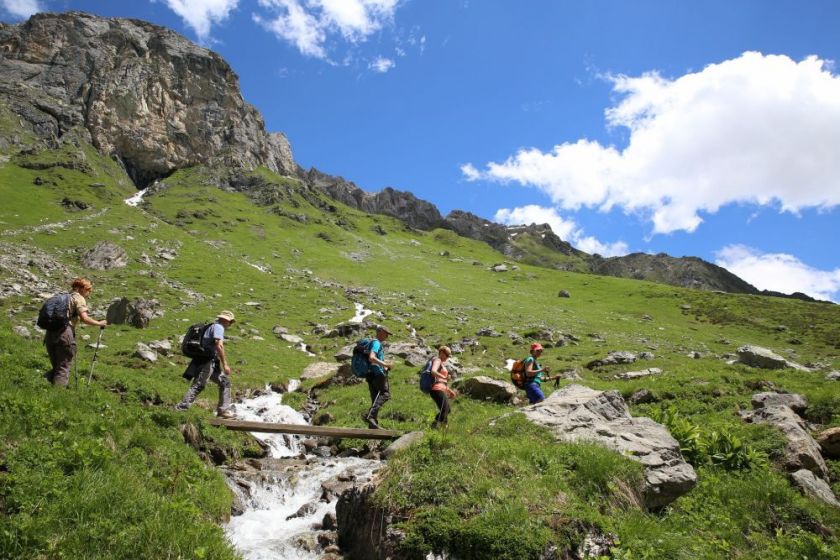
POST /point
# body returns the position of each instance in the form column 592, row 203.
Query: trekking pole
column 95, row 351
column 76, row 371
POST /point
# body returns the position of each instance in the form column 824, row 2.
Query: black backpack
column 192, row 346
column 54, row 315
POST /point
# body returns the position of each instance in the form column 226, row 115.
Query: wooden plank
column 304, row 429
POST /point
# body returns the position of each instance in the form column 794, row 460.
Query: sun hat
column 383, row 329
column 227, row 315
column 536, row 346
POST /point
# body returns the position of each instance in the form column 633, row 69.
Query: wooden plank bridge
column 304, row 429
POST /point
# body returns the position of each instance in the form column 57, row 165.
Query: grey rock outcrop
column 578, row 413
column 796, row 402
column 137, row 313
column 105, row 256
column 145, row 353
column 613, row 358
column 138, row 92
column 404, row 442
column 365, row 531
column 815, row 487
column 637, row 374
column 319, row 370
column 829, row 441
column 486, row 388
column 801, row 452
column 758, row 357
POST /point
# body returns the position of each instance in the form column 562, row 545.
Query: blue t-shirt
column 213, row 332
column 538, row 377
column 379, row 351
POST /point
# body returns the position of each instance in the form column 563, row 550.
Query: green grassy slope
column 103, row 471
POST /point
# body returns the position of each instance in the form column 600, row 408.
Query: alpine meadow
column 689, row 415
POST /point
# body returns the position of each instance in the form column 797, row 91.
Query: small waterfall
column 289, row 497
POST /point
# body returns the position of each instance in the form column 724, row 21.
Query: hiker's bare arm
column 220, row 352
column 374, row 360
column 86, row 319
column 436, row 365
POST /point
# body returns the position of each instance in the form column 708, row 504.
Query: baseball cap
column 536, row 346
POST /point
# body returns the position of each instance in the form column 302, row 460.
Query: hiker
column 377, row 377
column 534, row 374
column 214, row 368
column 441, row 393
column 61, row 342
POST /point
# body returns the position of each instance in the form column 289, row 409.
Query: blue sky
column 707, row 128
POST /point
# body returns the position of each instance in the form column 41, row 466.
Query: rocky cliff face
column 138, row 92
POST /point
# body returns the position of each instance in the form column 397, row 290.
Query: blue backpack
column 54, row 315
column 426, row 377
column 360, row 363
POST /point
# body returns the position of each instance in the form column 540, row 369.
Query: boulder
column 404, row 442
column 137, row 313
column 564, row 294
column 815, row 487
column 161, row 346
column 486, row 388
column 145, row 353
column 499, row 268
column 21, row 331
column 488, row 331
column 318, row 370
column 293, row 338
column 833, row 376
column 578, row 413
column 758, row 357
column 613, row 358
column 829, row 441
column 105, row 256
column 801, row 452
column 796, row 402
column 637, row 374
column 642, row 396
column 345, row 353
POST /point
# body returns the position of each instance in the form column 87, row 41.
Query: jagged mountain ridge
column 156, row 102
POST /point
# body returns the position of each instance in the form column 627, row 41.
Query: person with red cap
column 534, row 374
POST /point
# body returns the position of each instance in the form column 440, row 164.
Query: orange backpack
column 518, row 373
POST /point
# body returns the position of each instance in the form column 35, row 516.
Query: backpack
column 54, row 315
column 518, row 374
column 426, row 377
column 360, row 362
column 192, row 345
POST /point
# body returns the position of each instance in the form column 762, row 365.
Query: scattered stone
column 756, row 356
column 293, row 338
column 642, row 396
column 695, row 355
column 815, row 487
column 278, row 330
column 161, row 346
column 486, row 388
column 646, row 355
column 637, row 374
column 137, row 313
column 21, row 331
column 829, row 441
column 613, row 358
column 833, row 376
column 685, row 307
column 404, row 442
column 318, row 370
column 144, row 353
column 323, row 419
column 564, row 294
column 499, row 268
column 796, row 402
column 647, row 317
column 105, row 256
column 577, row 413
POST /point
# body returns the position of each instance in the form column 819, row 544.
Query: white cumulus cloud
column 307, row 24
column 201, row 15
column 381, row 64
column 567, row 230
column 779, row 272
column 757, row 129
column 21, row 8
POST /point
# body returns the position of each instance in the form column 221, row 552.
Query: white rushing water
column 361, row 313
column 284, row 509
column 136, row 199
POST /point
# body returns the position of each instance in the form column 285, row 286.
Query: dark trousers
column 61, row 348
column 379, row 393
column 442, row 403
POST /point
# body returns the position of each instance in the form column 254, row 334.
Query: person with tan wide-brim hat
column 213, row 368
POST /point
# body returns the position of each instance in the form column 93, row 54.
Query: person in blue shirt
column 214, row 368
column 534, row 374
column 377, row 377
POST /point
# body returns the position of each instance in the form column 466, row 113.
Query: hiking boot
column 371, row 422
column 226, row 414
column 180, row 407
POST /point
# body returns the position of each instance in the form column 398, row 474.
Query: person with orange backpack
column 438, row 379
column 534, row 375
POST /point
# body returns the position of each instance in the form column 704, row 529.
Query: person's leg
column 535, row 394
column 65, row 351
column 203, row 371
column 380, row 394
column 50, row 341
column 223, row 381
column 443, row 407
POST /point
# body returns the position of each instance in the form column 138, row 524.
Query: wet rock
column 796, row 402
column 815, row 487
column 829, row 441
column 486, row 388
column 303, row 511
column 613, row 358
column 579, row 413
column 404, row 442
column 637, row 374
column 758, row 357
column 105, row 256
